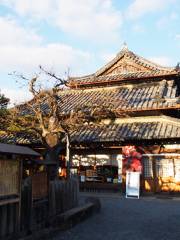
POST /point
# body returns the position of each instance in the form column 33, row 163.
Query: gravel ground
column 146, row 218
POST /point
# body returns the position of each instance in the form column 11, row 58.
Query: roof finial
column 124, row 47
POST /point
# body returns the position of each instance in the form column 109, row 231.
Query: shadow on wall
column 161, row 173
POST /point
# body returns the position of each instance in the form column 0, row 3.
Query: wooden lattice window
column 148, row 172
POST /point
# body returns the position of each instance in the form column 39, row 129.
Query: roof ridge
column 107, row 88
column 122, row 53
column 155, row 64
column 81, row 77
column 145, row 67
column 148, row 119
column 171, row 119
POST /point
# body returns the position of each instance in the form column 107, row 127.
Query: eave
column 75, row 83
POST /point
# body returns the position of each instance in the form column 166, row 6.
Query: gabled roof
column 126, row 65
column 131, row 62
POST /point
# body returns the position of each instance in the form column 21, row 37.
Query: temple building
column 146, row 97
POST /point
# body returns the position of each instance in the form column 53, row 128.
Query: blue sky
column 82, row 35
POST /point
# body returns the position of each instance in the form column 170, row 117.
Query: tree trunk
column 52, row 161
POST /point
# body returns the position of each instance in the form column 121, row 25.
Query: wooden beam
column 8, row 201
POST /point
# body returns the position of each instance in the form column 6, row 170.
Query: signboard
column 132, row 184
column 9, row 177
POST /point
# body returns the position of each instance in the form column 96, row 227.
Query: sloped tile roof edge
column 14, row 149
column 138, row 128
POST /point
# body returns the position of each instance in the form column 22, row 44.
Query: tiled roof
column 159, row 95
column 13, row 149
column 114, row 78
column 19, row 138
column 129, row 66
column 126, row 130
column 122, row 130
column 138, row 60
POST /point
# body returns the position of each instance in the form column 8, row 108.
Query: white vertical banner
column 132, row 184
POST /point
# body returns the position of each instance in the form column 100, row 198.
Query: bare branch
column 60, row 82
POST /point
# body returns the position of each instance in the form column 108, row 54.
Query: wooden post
column 3, row 227
column 68, row 157
column 20, row 193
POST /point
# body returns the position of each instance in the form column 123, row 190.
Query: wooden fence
column 37, row 213
column 9, row 218
column 28, row 205
column 63, row 195
column 10, row 192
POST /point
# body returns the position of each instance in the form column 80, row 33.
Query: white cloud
column 162, row 60
column 141, row 7
column 11, row 32
column 58, row 56
column 39, row 9
column 106, row 57
column 166, row 20
column 21, row 51
column 25, row 60
column 174, row 16
column 177, row 37
column 91, row 19
column 138, row 28
column 162, row 22
column 16, row 96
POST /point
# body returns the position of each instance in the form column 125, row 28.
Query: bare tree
column 44, row 116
